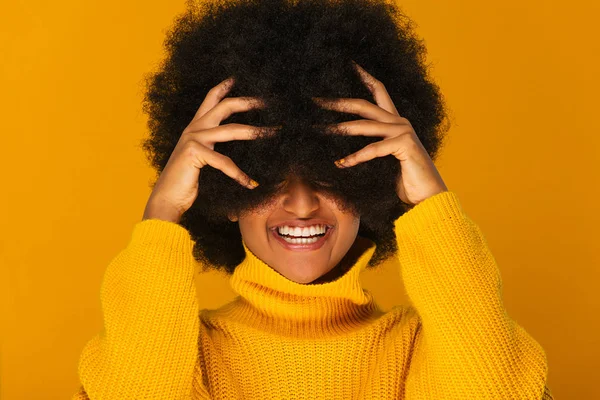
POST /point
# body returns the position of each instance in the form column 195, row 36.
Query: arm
column 149, row 345
column 467, row 347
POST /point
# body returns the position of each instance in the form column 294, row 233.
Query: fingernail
column 253, row 183
column 340, row 162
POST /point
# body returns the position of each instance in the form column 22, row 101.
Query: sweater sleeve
column 148, row 346
column 467, row 346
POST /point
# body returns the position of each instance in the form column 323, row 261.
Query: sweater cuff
column 161, row 233
column 438, row 208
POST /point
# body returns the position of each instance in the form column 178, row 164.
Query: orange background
column 521, row 79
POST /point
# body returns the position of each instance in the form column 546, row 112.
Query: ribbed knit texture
column 279, row 339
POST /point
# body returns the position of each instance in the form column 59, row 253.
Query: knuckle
column 187, row 130
column 370, row 150
column 228, row 101
column 215, row 90
column 380, row 152
column 408, row 130
column 377, row 84
column 227, row 160
column 243, row 178
column 405, row 130
column 234, row 126
column 366, row 149
column 363, row 102
column 191, row 148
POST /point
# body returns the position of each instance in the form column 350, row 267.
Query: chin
column 303, row 279
column 300, row 273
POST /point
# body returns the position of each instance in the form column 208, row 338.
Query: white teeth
column 301, row 240
column 302, row 232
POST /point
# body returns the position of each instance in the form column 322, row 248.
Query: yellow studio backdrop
column 520, row 78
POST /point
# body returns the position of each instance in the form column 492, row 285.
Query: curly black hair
column 287, row 52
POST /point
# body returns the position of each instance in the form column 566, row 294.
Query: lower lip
column 302, row 246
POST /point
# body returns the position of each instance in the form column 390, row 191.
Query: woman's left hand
column 419, row 178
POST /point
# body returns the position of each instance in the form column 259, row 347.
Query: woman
column 335, row 195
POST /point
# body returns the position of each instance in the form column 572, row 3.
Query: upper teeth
column 301, row 232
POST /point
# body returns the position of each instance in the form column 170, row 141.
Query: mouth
column 312, row 243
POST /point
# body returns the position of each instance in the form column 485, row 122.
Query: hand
column 177, row 186
column 419, row 178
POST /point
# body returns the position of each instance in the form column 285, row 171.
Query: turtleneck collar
column 269, row 301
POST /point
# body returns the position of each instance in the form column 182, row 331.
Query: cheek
column 352, row 222
column 254, row 230
column 348, row 229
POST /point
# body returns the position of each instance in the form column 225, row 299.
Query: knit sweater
column 279, row 339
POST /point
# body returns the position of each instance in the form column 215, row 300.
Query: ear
column 232, row 218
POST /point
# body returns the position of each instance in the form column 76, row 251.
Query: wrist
column 161, row 211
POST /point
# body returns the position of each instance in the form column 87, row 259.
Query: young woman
column 330, row 109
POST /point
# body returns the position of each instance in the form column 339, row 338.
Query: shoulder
column 403, row 320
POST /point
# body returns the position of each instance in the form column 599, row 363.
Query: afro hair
column 287, row 52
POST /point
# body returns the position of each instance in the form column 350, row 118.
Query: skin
column 418, row 181
column 299, row 200
column 176, row 188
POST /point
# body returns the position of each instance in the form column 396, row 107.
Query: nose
column 300, row 199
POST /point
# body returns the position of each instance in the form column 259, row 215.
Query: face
column 299, row 205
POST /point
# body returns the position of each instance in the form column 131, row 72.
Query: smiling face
column 309, row 260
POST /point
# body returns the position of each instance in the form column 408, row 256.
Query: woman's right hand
column 177, row 186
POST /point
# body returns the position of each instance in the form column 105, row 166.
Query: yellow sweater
column 283, row 340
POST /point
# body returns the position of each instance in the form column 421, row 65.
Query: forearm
column 468, row 346
column 148, row 347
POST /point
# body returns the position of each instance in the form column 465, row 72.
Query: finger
column 229, row 168
column 367, row 127
column 228, row 132
column 224, row 109
column 214, row 96
column 361, row 107
column 383, row 148
column 377, row 88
